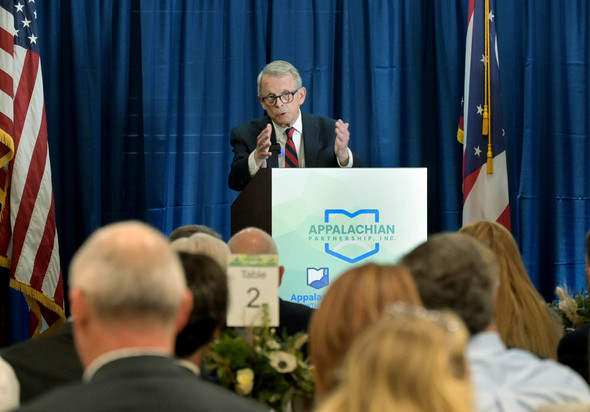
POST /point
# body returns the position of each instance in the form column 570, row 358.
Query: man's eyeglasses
column 286, row 98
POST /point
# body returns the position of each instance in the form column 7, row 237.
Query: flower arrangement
column 257, row 363
column 574, row 309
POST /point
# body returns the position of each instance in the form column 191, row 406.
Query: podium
column 253, row 206
column 324, row 220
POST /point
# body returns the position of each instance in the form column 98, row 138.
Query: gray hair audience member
column 202, row 243
column 129, row 299
column 36, row 366
column 455, row 271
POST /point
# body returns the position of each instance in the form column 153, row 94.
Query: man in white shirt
column 285, row 131
column 455, row 271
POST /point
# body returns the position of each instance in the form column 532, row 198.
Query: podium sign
column 324, row 221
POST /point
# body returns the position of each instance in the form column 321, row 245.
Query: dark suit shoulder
column 294, row 307
column 575, row 338
column 143, row 383
column 255, row 125
column 293, row 317
column 43, row 363
column 572, row 350
column 60, row 345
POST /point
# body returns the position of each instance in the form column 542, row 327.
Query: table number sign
column 253, row 281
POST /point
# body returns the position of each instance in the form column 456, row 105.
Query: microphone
column 275, row 147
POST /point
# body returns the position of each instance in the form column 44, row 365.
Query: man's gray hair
column 202, row 243
column 457, row 272
column 129, row 272
column 279, row 68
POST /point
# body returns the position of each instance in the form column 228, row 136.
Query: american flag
column 485, row 195
column 28, row 236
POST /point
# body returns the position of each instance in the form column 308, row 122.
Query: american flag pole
column 485, row 195
column 29, row 244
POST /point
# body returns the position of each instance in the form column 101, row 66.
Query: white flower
column 245, row 381
column 283, row 362
column 273, row 344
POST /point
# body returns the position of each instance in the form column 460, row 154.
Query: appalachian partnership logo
column 348, row 236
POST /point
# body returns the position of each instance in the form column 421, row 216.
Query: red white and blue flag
column 485, row 178
column 28, row 235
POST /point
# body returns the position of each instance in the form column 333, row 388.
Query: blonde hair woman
column 354, row 301
column 522, row 317
column 411, row 360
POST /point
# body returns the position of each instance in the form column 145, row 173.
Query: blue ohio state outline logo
column 318, row 278
column 329, row 212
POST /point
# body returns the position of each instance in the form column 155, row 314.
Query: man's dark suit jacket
column 143, row 383
column 318, row 143
column 573, row 350
column 44, row 363
column 293, row 318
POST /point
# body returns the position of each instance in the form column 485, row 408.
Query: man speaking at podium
column 286, row 137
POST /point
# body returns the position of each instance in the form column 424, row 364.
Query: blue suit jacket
column 318, row 135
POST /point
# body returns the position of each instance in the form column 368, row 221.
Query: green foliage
column 573, row 308
column 257, row 363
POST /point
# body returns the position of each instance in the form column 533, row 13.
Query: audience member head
column 202, row 243
column 410, row 360
column 127, row 289
column 208, row 283
column 254, row 241
column 521, row 315
column 457, row 272
column 189, row 230
column 355, row 300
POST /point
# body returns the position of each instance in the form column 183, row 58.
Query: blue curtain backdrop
column 142, row 94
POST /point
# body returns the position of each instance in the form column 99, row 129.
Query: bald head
column 128, row 270
column 252, row 241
